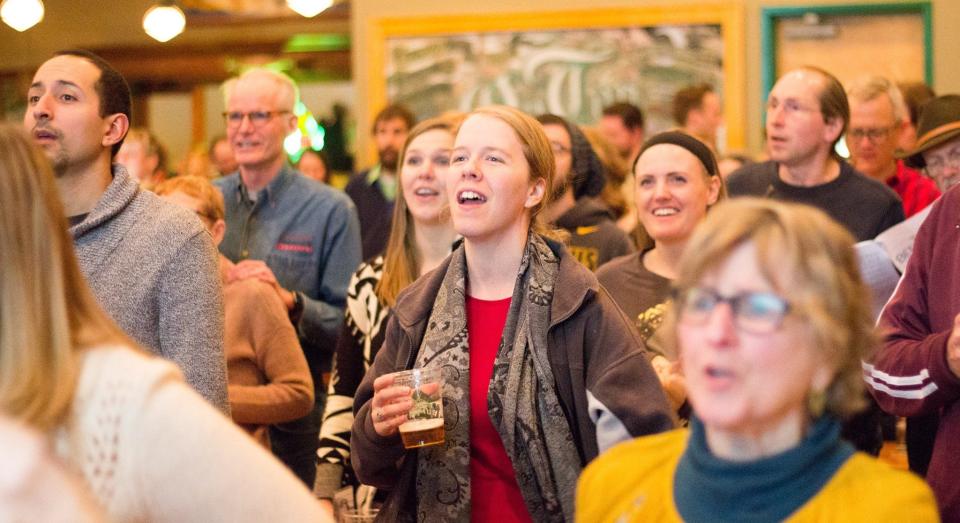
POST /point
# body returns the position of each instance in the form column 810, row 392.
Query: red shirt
column 494, row 493
column 916, row 190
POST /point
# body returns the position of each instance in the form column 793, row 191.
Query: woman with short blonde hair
column 771, row 321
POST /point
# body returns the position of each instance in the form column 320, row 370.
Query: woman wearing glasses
column 771, row 322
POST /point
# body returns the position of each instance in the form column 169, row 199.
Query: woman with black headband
column 676, row 180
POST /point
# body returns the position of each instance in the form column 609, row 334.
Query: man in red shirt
column 878, row 117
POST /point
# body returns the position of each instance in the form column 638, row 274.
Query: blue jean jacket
column 309, row 236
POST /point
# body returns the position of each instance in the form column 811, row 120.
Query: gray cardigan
column 153, row 268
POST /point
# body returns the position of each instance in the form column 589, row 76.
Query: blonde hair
column 200, row 188
column 151, row 146
column 809, row 258
column 538, row 154
column 47, row 312
column 401, row 262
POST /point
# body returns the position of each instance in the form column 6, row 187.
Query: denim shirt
column 309, row 236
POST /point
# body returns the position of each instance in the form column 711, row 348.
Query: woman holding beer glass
column 771, row 322
column 542, row 371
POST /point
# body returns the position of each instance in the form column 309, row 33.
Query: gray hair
column 870, row 87
column 288, row 95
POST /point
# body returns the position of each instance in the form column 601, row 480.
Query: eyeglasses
column 257, row 118
column 789, row 106
column 938, row 164
column 753, row 312
column 874, row 135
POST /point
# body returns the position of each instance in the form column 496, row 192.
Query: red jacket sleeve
column 909, row 374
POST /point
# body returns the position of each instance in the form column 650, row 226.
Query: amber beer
column 422, row 433
column 424, row 425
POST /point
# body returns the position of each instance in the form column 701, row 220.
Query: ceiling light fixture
column 164, row 21
column 21, row 14
column 309, row 8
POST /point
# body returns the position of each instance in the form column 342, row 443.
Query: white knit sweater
column 152, row 450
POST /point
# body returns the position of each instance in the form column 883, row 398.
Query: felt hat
column 939, row 123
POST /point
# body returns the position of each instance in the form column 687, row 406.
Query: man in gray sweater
column 151, row 264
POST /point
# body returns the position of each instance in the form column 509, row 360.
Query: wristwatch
column 297, row 311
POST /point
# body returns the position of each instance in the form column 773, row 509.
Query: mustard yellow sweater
column 633, row 482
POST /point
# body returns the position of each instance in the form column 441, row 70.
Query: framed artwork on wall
column 571, row 63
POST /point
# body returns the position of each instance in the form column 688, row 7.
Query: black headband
column 695, row 146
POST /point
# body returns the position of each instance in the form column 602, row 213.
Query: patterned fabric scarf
column 522, row 401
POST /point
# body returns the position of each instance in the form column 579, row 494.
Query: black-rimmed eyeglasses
column 754, row 312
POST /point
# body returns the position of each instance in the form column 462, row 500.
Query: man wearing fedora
column 916, row 372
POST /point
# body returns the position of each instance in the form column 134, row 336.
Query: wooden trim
column 771, row 15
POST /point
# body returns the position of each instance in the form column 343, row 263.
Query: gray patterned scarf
column 522, row 400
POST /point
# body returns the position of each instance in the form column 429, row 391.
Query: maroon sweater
column 909, row 375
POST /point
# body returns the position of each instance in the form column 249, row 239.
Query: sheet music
column 897, row 241
column 878, row 272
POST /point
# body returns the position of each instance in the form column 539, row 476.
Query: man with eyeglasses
column 807, row 113
column 574, row 204
column 151, row 265
column 878, row 119
column 916, row 372
column 296, row 234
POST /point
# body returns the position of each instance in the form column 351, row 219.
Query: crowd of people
column 629, row 327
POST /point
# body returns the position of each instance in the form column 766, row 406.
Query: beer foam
column 421, row 424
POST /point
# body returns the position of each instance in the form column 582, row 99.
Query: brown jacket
column 599, row 365
column 267, row 376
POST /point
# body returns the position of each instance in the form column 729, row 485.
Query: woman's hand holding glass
column 389, row 406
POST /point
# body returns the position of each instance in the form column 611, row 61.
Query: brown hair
column 916, row 95
column 210, row 198
column 808, row 257
column 833, row 102
column 47, row 312
column 688, row 99
column 614, row 169
column 394, row 112
column 629, row 114
column 640, row 235
column 401, row 263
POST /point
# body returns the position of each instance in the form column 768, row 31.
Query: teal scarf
column 707, row 488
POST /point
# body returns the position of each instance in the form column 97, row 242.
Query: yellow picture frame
column 729, row 17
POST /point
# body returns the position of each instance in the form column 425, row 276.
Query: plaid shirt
column 916, row 190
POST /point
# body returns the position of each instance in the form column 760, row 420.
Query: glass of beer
column 424, row 425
